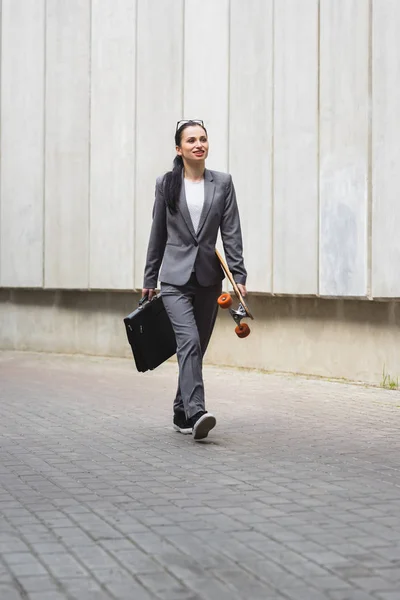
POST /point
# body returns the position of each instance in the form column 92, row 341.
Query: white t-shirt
column 195, row 200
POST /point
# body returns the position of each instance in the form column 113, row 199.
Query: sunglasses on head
column 197, row 121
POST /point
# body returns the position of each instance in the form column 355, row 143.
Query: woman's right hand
column 150, row 292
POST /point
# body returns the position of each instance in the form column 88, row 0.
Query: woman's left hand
column 242, row 289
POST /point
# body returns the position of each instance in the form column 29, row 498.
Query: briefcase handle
column 143, row 299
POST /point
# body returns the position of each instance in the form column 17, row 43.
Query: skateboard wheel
column 242, row 330
column 225, row 301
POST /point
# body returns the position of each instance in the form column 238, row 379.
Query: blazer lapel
column 183, row 207
column 209, row 191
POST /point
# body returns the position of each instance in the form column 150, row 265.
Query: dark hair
column 173, row 179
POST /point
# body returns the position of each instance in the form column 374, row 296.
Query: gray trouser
column 192, row 310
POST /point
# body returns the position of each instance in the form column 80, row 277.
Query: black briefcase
column 150, row 334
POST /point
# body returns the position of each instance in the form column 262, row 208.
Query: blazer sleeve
column 231, row 234
column 157, row 240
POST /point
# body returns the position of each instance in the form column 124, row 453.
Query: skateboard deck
column 225, row 301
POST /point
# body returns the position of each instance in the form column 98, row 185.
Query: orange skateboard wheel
column 225, row 301
column 242, row 330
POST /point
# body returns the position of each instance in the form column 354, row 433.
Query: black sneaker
column 181, row 423
column 202, row 423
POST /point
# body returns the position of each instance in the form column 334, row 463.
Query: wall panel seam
column 370, row 153
column 228, row 129
column 272, row 146
column 182, row 115
column 135, row 112
column 1, row 123
column 319, row 148
column 89, row 149
column 44, row 145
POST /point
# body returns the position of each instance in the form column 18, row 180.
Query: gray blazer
column 174, row 242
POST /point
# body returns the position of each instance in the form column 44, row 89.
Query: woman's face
column 194, row 144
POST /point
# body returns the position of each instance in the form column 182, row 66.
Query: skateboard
column 242, row 330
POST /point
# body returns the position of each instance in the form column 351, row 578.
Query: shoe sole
column 203, row 426
column 187, row 431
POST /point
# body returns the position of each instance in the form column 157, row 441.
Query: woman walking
column 191, row 205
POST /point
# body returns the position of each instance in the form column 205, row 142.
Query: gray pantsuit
column 192, row 310
column 191, row 274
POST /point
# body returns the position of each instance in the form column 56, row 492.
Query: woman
column 191, row 205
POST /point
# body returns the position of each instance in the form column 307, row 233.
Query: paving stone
column 128, row 588
column 81, row 586
column 245, row 585
column 9, row 592
column 94, row 557
column 27, row 569
column 41, row 583
column 11, row 544
column 294, row 496
column 162, row 584
column 351, row 595
column 306, row 594
column 136, row 561
column 47, row 596
column 41, row 548
column 375, row 584
column 91, row 595
column 63, row 566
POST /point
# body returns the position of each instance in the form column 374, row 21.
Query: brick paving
column 294, row 496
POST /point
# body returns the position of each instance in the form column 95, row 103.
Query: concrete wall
column 301, row 103
column 355, row 339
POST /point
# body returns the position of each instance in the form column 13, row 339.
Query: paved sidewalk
column 295, row 495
